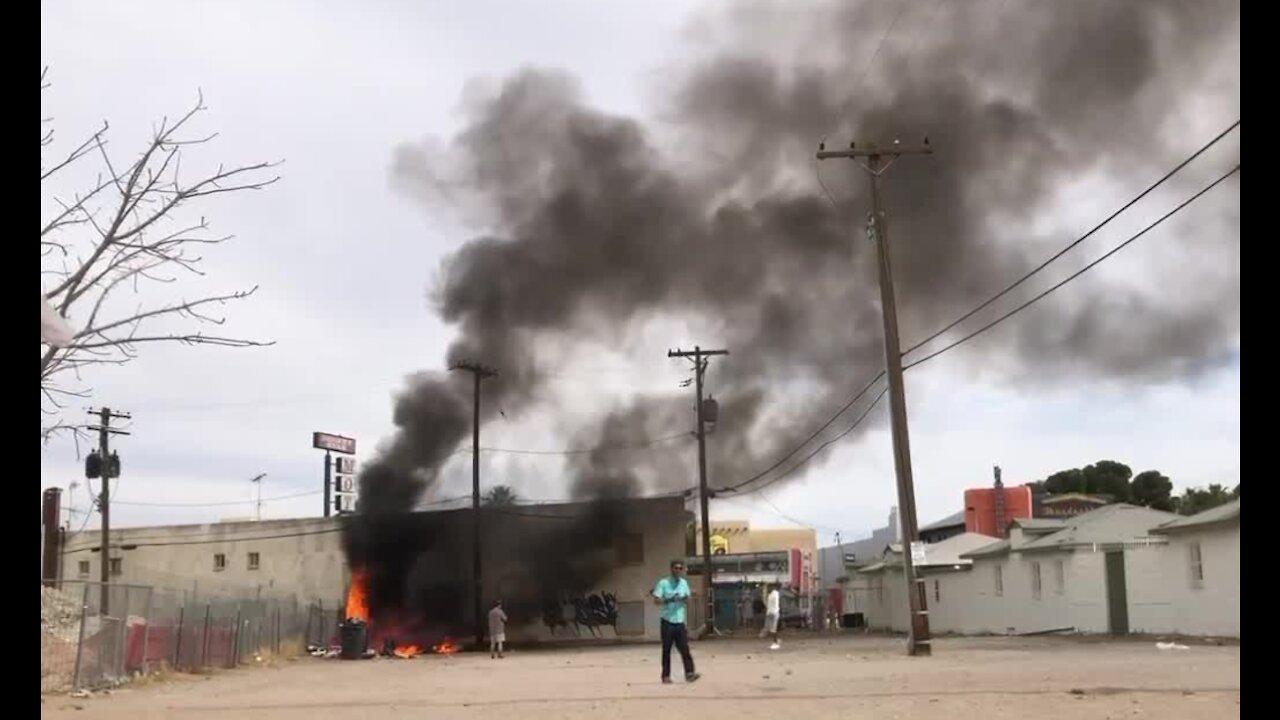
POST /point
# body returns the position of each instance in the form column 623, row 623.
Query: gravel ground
column 810, row 677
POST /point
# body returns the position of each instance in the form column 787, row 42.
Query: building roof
column 1213, row 516
column 995, row 549
column 952, row 551
column 949, row 521
column 1077, row 497
column 1108, row 525
column 1039, row 526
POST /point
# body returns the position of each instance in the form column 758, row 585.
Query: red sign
column 336, row 443
column 795, row 564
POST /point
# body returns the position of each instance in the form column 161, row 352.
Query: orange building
column 985, row 514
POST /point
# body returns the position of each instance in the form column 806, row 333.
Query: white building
column 1118, row 569
column 1191, row 586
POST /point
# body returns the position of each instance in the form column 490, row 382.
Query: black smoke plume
column 596, row 223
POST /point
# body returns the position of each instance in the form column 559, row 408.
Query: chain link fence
column 93, row 634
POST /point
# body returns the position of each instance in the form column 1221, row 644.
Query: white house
column 1117, row 569
column 1191, row 585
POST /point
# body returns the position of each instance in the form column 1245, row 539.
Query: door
column 1117, row 595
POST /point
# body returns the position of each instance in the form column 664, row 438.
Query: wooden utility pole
column 875, row 161
column 110, row 468
column 699, row 358
column 479, row 372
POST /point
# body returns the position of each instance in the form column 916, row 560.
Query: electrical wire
column 1078, row 273
column 217, row 504
column 736, row 488
column 1151, row 188
column 806, row 441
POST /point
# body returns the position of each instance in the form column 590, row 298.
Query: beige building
column 304, row 559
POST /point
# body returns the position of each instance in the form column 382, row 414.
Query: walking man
column 671, row 594
column 497, row 629
column 772, row 615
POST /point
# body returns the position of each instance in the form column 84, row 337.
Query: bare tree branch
column 129, row 230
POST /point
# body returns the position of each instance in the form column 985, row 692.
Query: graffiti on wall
column 593, row 612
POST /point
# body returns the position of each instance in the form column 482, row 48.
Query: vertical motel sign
column 339, row 472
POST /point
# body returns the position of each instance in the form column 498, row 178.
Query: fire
column 407, row 651
column 447, row 647
column 358, row 597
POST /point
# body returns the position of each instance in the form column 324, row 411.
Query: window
column 937, row 592
column 630, row 549
column 1059, row 577
column 219, row 562
column 84, row 568
column 254, row 560
column 1197, row 566
column 999, row 580
column 1035, row 581
column 117, row 566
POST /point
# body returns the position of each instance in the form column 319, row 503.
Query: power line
column 1076, row 242
column 807, row 440
column 811, row 455
column 1079, row 272
column 220, row 504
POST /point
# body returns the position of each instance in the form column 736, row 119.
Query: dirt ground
column 810, row 677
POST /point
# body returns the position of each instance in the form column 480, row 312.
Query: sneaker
column 666, row 681
column 692, row 677
column 776, row 646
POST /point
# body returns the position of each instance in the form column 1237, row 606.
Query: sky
column 344, row 262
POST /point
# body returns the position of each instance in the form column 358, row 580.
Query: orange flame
column 357, row 597
column 447, row 647
column 407, row 651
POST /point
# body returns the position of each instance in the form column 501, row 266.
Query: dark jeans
column 675, row 634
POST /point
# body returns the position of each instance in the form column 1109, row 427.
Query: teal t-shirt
column 673, row 593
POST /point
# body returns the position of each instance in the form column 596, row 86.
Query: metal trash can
column 355, row 639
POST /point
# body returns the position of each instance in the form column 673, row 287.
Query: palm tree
column 500, row 496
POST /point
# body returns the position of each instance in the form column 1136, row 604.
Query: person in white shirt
column 497, row 629
column 772, row 615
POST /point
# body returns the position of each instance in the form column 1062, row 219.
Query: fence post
column 235, row 643
column 84, row 612
column 204, row 645
column 146, row 628
column 277, row 644
column 177, row 649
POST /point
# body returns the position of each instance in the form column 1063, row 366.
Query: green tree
column 1065, row 481
column 1152, row 489
column 1108, row 477
column 500, row 496
column 1197, row 500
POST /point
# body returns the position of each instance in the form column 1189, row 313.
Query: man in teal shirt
column 671, row 594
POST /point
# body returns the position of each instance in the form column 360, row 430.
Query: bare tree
column 131, row 227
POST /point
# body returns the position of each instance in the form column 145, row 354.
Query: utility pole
column 257, row 483
column 479, row 373
column 108, row 467
column 699, row 358
column 875, row 161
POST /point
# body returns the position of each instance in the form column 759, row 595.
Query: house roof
column 1000, row 547
column 1110, row 524
column 1213, row 516
column 951, row 551
column 949, row 521
column 1077, row 497
column 1039, row 526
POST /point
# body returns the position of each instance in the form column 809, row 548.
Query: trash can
column 853, row 620
column 354, row 638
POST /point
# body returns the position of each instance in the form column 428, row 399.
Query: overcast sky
column 344, row 262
